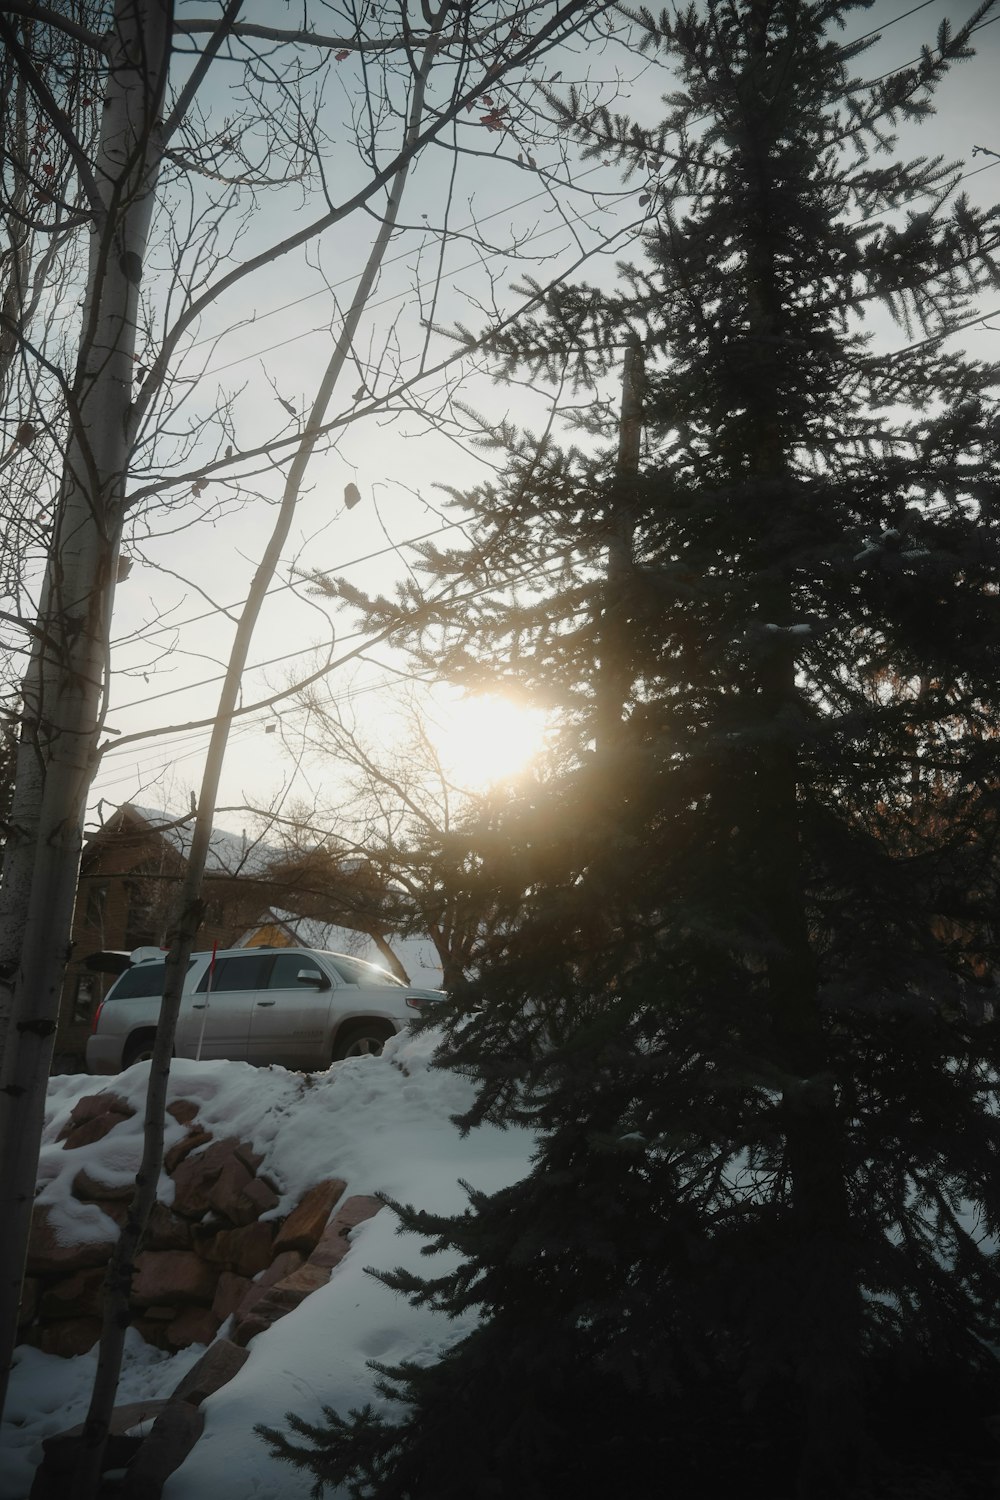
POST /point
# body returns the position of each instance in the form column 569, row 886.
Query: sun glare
column 485, row 740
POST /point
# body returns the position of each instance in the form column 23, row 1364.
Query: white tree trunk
column 65, row 683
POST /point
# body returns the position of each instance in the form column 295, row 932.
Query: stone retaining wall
column 207, row 1256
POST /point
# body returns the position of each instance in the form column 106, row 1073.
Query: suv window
column 357, row 971
column 141, row 982
column 249, row 973
column 288, row 966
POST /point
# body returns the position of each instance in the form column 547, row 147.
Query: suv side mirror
column 313, row 976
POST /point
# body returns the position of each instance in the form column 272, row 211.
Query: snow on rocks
column 211, row 1229
column 296, row 1326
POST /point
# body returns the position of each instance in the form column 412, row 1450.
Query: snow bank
column 382, row 1124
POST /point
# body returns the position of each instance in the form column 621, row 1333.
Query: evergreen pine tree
column 742, row 985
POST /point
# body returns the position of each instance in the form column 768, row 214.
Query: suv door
column 290, row 1021
column 222, row 1004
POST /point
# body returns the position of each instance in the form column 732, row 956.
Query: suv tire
column 138, row 1048
column 362, row 1039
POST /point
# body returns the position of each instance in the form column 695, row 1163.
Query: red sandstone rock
column 182, row 1110
column 227, row 1190
column 191, row 1190
column 172, row 1276
column 291, row 1290
column 305, row 1224
column 220, row 1362
column 245, row 1251
column 195, row 1176
column 48, row 1256
column 76, row 1296
column 183, row 1148
column 278, row 1301
column 194, row 1325
column 229, row 1294
column 282, row 1265
column 154, row 1331
column 55, row 1477
column 214, row 1158
column 89, row 1189
column 335, row 1242
column 117, row 1212
column 260, row 1197
column 67, row 1337
column 92, row 1130
column 250, row 1158
column 166, row 1230
column 141, row 1414
column 248, row 1328
column 174, row 1434
column 93, row 1105
column 255, row 1293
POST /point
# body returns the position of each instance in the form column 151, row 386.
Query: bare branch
column 222, row 29
column 378, row 180
column 58, row 117
column 53, row 18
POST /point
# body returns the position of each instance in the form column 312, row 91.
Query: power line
column 878, row 30
column 296, row 338
column 262, row 716
column 509, row 208
column 241, row 730
column 555, row 562
column 390, row 261
column 189, row 687
column 279, row 588
column 932, row 338
column 869, row 83
column 924, row 193
column 151, row 767
column 473, row 225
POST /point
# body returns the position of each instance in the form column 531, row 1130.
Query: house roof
column 228, row 853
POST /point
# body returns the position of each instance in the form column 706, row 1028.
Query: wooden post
column 614, row 671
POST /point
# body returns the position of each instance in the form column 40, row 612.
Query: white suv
column 299, row 1007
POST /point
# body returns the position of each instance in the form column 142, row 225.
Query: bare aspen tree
column 41, row 274
column 63, row 686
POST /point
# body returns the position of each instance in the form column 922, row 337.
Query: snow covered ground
column 383, row 1124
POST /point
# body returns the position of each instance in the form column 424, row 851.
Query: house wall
column 270, row 935
column 128, row 884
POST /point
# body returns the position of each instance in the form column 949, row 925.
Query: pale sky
column 170, row 674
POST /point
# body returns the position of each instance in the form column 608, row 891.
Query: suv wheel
column 138, row 1048
column 363, row 1039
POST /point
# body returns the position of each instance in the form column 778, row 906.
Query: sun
column 488, row 739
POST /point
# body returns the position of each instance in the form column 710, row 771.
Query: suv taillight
column 417, row 1002
column 97, row 1017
